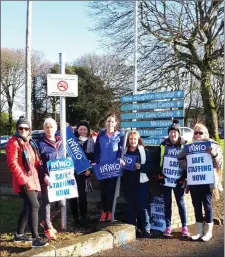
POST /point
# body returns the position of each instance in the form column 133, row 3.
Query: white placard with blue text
column 64, row 184
column 199, row 164
column 157, row 214
column 171, row 168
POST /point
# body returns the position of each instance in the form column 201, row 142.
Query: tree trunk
column 209, row 105
column 10, row 126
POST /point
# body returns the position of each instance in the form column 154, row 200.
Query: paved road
column 176, row 247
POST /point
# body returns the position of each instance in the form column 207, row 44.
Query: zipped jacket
column 49, row 151
column 167, row 143
column 15, row 163
column 108, row 149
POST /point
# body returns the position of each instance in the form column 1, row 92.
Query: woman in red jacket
column 23, row 161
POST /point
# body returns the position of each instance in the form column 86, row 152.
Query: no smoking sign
column 62, row 85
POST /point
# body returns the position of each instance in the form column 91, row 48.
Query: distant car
column 3, row 145
column 38, row 134
column 4, row 139
column 186, row 133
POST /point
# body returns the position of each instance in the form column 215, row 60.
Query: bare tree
column 182, row 35
column 111, row 69
column 12, row 77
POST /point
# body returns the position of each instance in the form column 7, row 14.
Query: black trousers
column 29, row 213
column 78, row 205
column 108, row 187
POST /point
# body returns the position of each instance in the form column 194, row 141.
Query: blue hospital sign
column 63, row 183
column 199, row 164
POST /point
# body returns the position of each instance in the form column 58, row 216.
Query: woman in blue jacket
column 50, row 148
column 107, row 149
column 136, row 184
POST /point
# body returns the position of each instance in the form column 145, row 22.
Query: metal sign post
column 63, row 133
column 64, row 86
column 117, row 189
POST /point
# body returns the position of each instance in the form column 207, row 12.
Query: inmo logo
column 196, row 148
column 174, row 151
column 110, row 167
column 75, row 148
column 128, row 160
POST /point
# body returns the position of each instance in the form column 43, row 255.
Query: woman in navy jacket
column 136, row 184
column 107, row 149
column 50, row 148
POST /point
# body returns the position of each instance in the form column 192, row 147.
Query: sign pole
column 63, row 133
column 28, row 61
column 118, row 181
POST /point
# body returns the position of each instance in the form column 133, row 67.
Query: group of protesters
column 27, row 160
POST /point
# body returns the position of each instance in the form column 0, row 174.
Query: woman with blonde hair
column 136, row 184
column 201, row 194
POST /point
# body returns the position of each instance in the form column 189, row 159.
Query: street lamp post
column 28, row 61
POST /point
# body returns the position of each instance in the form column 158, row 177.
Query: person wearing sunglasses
column 23, row 161
column 202, row 194
column 172, row 177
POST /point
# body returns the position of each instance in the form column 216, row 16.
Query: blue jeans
column 179, row 196
column 202, row 195
column 137, row 198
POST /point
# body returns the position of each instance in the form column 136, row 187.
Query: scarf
column 90, row 143
column 23, row 141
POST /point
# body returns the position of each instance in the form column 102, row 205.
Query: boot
column 199, row 227
column 207, row 232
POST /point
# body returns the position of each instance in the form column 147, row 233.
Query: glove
column 24, row 188
column 47, row 180
column 161, row 179
column 212, row 152
column 180, row 182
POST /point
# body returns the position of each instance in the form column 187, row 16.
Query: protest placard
column 107, row 170
column 75, row 151
column 171, row 168
column 130, row 161
column 63, row 183
column 199, row 164
column 157, row 214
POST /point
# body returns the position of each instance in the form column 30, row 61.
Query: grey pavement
column 175, row 247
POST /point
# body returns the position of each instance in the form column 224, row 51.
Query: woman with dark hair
column 169, row 149
column 107, row 149
column 136, row 184
column 23, row 161
column 79, row 205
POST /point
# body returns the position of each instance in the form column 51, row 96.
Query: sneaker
column 103, row 216
column 50, row 234
column 38, row 242
column 185, row 232
column 109, row 216
column 22, row 238
column 147, row 234
column 42, row 224
column 167, row 232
